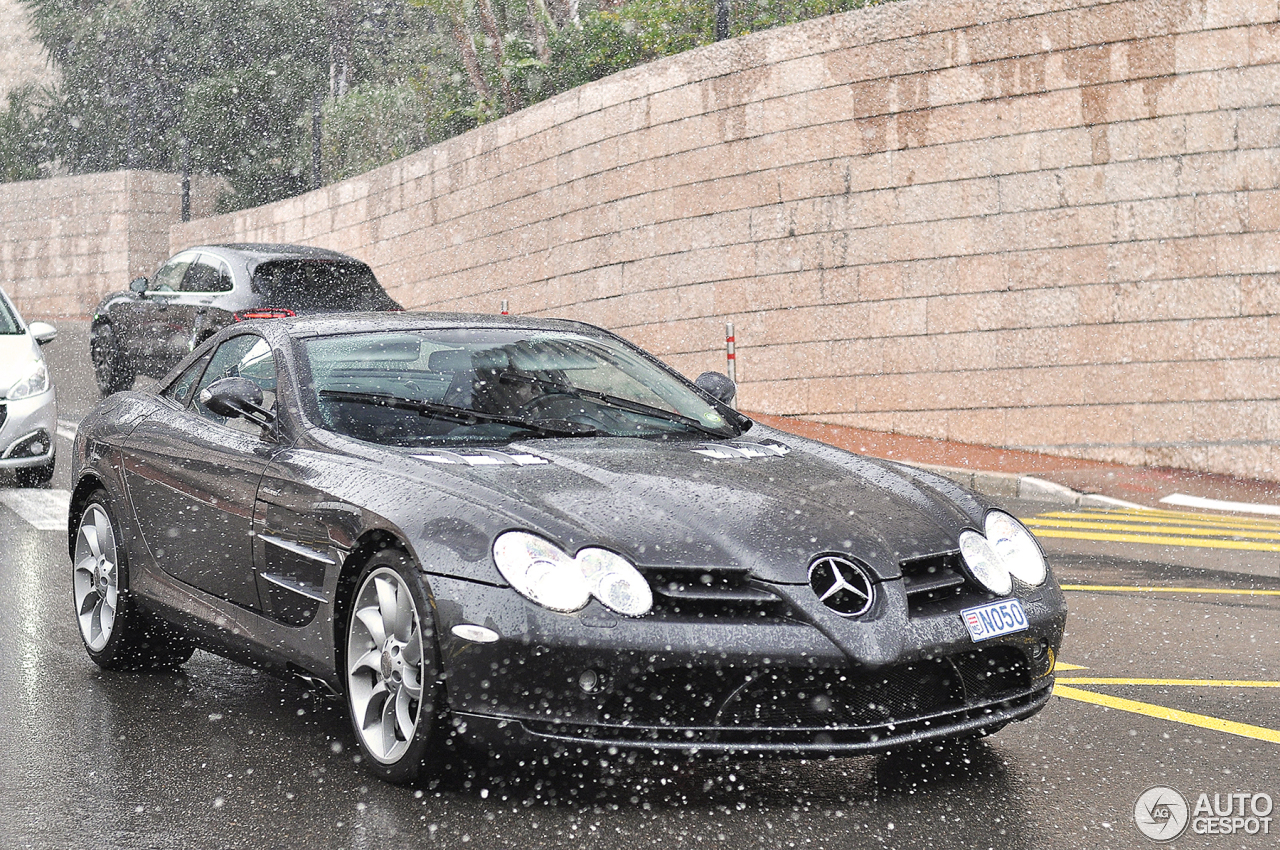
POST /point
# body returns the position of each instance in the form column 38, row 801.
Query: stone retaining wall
column 1046, row 224
column 67, row 241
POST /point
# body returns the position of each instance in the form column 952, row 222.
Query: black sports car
column 197, row 292
column 536, row 532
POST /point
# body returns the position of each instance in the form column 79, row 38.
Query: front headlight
column 1017, row 549
column 547, row 576
column 984, row 563
column 1007, row 551
column 35, row 380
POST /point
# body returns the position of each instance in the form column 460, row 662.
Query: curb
column 1013, row 485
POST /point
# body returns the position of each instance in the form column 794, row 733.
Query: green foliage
column 238, row 79
column 371, row 127
column 668, row 27
column 235, row 76
column 22, row 135
column 605, row 44
column 756, row 15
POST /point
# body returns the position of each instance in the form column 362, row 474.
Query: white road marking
column 44, row 509
column 1186, row 501
column 67, row 429
column 1096, row 499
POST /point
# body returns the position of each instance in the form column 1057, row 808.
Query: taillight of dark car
column 264, row 313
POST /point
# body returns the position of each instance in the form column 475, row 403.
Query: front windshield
column 458, row 386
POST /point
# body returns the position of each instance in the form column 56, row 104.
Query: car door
column 145, row 331
column 193, row 318
column 193, row 476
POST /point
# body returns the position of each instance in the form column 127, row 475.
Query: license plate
column 994, row 619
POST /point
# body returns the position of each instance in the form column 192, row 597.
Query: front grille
column 737, row 698
column 821, row 699
column 704, row 594
column 673, row 696
column 936, row 584
column 993, row 673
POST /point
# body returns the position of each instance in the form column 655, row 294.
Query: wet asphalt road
column 222, row 756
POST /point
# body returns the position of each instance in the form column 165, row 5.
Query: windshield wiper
column 619, row 402
column 462, row 415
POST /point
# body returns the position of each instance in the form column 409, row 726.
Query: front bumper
column 27, row 430
column 774, row 683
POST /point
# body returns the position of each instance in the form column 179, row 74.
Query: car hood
column 17, row 352
column 768, row 504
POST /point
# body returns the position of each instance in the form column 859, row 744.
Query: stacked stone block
column 1048, row 224
column 67, row 241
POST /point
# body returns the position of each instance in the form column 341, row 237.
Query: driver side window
column 245, row 356
column 169, row 277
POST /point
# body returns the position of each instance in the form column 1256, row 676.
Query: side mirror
column 138, row 285
column 42, row 332
column 236, row 397
column 718, row 386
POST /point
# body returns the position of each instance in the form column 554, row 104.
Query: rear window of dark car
column 320, row 285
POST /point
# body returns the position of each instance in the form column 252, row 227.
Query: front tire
column 116, row 634
column 110, row 366
column 391, row 668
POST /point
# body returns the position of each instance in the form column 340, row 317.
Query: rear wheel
column 391, row 668
column 110, row 366
column 116, row 634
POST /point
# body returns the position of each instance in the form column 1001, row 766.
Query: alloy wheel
column 385, row 668
column 96, row 580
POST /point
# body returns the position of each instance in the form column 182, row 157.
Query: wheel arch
column 367, row 545
column 85, row 487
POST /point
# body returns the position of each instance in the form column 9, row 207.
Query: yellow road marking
column 1160, row 517
column 1160, row 528
column 1194, row 515
column 1109, row 588
column 1190, row 531
column 1192, row 683
column 1175, row 715
column 1159, row 540
column 1062, row 665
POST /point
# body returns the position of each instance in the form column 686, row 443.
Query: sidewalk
column 1010, row 474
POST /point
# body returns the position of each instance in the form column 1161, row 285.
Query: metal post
column 317, row 121
column 505, row 312
column 731, row 357
column 186, row 178
column 722, row 20
column 130, row 140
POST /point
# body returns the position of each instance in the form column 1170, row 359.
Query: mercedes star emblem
column 841, row 585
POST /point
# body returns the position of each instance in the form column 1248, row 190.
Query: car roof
column 258, row 252
column 331, row 324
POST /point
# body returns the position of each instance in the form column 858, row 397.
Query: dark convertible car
column 533, row 532
column 197, row 292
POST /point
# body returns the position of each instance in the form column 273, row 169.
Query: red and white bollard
column 731, row 358
column 505, row 312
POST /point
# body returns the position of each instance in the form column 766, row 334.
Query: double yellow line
column 1160, row 528
column 1065, row 687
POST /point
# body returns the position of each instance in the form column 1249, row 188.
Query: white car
column 28, row 404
